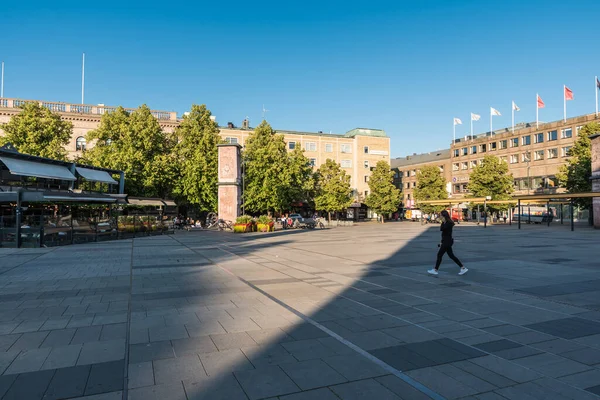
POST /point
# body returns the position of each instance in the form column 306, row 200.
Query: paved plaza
column 345, row 313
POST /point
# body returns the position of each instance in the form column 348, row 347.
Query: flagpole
column 537, row 111
column 453, row 131
column 2, row 88
column 595, row 87
column 82, row 77
column 513, row 117
column 491, row 130
column 472, row 123
column 565, row 101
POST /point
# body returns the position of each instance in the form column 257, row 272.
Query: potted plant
column 265, row 224
column 243, row 224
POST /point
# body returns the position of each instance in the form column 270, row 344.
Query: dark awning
column 145, row 201
column 95, row 175
column 20, row 167
column 59, row 197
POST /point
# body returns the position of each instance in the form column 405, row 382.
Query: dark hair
column 445, row 214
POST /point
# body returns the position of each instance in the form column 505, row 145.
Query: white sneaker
column 463, row 271
column 432, row 272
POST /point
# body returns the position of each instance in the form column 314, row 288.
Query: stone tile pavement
column 347, row 313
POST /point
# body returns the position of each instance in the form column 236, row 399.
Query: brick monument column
column 230, row 181
column 596, row 177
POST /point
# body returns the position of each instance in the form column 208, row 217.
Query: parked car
column 296, row 217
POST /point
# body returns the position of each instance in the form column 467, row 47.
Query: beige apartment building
column 533, row 154
column 357, row 151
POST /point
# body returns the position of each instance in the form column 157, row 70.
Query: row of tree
column 491, row 177
column 183, row 164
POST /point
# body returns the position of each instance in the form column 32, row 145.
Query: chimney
column 230, row 125
column 245, row 124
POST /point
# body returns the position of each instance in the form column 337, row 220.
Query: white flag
column 515, row 107
column 493, row 111
column 475, row 117
column 457, row 121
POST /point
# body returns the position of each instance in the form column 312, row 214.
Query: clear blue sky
column 407, row 67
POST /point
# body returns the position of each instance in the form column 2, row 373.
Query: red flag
column 540, row 102
column 568, row 94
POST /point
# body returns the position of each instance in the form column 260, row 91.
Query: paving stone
column 312, row 374
column 568, row 328
column 55, row 323
column 6, row 341
column 28, row 361
column 305, row 331
column 137, row 336
column 265, row 382
column 372, row 340
column 586, row 356
column 114, row 331
column 506, row 368
column 87, row 334
column 6, row 381
column 62, row 357
column 30, row 386
column 29, row 341
column 190, row 346
column 228, row 341
column 308, row 349
column 159, row 334
column 6, row 358
column 265, row 355
column 530, row 337
column 173, row 391
column 505, row 330
column 177, row 369
column 205, row 329
column 223, row 362
column 517, row 352
column 410, row 334
column 561, row 388
column 465, row 378
column 60, row 337
column 317, row 394
column 67, row 383
column 219, row 388
column 269, row 336
column 355, row 367
column 364, row 390
column 239, row 324
column 558, row 346
column 443, row 384
column 492, row 347
column 401, row 388
column 140, row 374
column 583, row 380
column 80, row 321
column 29, row 326
column 99, row 352
column 484, row 374
column 105, row 377
column 150, row 351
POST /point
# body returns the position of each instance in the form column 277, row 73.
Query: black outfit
column 446, row 245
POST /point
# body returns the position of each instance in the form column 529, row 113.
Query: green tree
column 197, row 155
column 267, row 178
column 576, row 173
column 430, row 186
column 135, row 144
column 384, row 197
column 332, row 188
column 302, row 177
column 39, row 132
column 491, row 178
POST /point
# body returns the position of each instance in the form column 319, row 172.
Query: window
column 413, row 172
column 414, row 184
column 441, row 168
column 566, row 133
column 456, row 188
column 408, row 185
column 503, row 144
column 232, row 140
column 493, row 146
column 482, row 148
column 291, row 145
column 455, row 167
column 328, row 148
column 366, row 193
column 538, row 138
column 456, row 152
column 464, row 187
column 80, row 143
column 514, row 142
column 473, row 149
column 313, row 162
column 503, row 159
column 407, row 174
column 310, row 146
column 465, row 151
column 345, row 148
column 526, row 140
column 366, row 178
column 465, row 165
column 565, row 151
column 473, row 163
column 552, row 153
column 366, row 163
column 366, row 149
column 538, row 155
column 578, row 129
column 514, row 159
column 552, row 135
column 346, row 164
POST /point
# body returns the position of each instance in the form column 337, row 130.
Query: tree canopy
column 135, row 144
column 267, row 178
column 333, row 191
column 430, row 186
column 38, row 131
column 491, row 178
column 576, row 173
column 196, row 154
column 384, row 197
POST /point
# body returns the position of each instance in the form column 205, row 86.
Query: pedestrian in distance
column 446, row 245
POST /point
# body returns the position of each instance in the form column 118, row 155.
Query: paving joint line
column 128, row 327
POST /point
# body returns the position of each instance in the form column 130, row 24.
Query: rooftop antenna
column 264, row 111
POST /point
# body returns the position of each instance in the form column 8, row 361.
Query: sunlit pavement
column 345, row 313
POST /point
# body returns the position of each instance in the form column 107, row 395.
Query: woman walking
column 446, row 245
